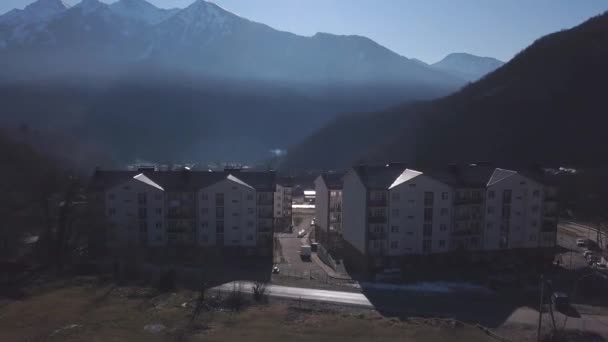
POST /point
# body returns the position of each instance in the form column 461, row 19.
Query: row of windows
column 427, row 227
column 426, row 245
column 506, row 210
column 205, row 238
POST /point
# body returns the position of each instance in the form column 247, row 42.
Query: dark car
column 560, row 301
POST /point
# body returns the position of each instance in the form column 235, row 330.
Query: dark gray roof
column 379, row 176
column 182, row 180
column 333, row 180
column 462, row 176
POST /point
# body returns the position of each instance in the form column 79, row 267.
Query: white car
column 587, row 253
column 301, row 233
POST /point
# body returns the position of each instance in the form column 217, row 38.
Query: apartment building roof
column 184, row 180
column 463, row 176
column 333, row 180
column 379, row 177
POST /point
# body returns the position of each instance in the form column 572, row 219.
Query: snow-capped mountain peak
column 90, row 6
column 204, row 13
column 142, row 10
column 36, row 11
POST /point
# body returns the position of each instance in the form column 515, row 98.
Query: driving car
column 275, row 269
column 301, row 233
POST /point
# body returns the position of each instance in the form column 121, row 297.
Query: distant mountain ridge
column 201, row 38
column 467, row 66
column 545, row 106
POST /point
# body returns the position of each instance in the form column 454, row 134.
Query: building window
column 249, row 237
column 443, row 227
column 250, row 211
column 204, row 197
column 142, row 213
column 204, row 211
column 250, row 197
column 476, row 195
column 159, row 211
column 428, row 214
column 489, row 225
column 427, row 229
column 204, row 224
column 532, row 238
column 159, row 238
column 394, row 229
column 506, row 196
column 411, row 201
column 234, row 188
column 395, row 212
column 444, row 212
column 126, row 187
column 428, row 199
column 143, row 227
column 535, row 208
column 395, row 196
column 412, row 185
column 158, row 225
column 249, row 223
column 111, row 197
column 235, row 227
column 394, row 244
column 506, row 211
column 491, row 194
column 535, row 193
column 235, row 214
column 219, row 212
column 219, row 226
column 444, row 195
column 204, row 238
column 426, row 246
column 219, row 199
column 377, row 229
column 441, row 243
column 112, row 211
column 411, row 217
column 534, row 223
column 410, row 233
column 490, row 210
column 158, row 197
column 142, row 198
column 235, row 201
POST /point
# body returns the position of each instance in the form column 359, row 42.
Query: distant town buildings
column 328, row 210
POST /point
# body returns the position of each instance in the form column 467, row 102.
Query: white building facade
column 391, row 212
column 185, row 208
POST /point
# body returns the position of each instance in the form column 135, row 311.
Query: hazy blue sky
column 424, row 29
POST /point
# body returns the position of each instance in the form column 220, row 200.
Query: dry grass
column 100, row 313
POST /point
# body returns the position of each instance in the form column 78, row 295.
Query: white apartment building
column 185, row 208
column 328, row 209
column 135, row 213
column 282, row 204
column 391, row 212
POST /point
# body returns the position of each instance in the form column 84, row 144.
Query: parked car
column 581, row 242
column 305, row 252
column 600, row 266
column 275, row 269
column 301, row 233
column 587, row 253
column 560, row 300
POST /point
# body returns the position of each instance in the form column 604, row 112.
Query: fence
column 326, row 257
column 317, row 276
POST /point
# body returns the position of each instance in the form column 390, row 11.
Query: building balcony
column 467, row 200
column 265, row 214
column 376, row 219
column 265, row 201
column 377, row 202
column 376, row 236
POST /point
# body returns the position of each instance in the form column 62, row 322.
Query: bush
column 259, row 292
column 236, row 299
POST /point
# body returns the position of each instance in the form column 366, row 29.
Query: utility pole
column 540, row 308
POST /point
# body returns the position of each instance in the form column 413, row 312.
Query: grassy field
column 95, row 312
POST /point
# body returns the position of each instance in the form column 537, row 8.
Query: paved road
column 292, row 263
column 336, row 297
column 474, row 313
